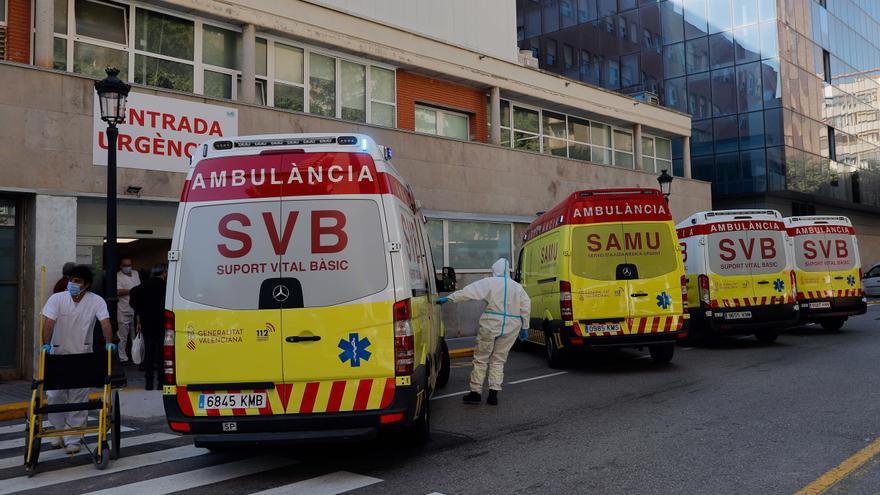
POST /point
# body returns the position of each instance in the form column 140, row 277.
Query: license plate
column 603, row 327
column 232, row 401
column 820, row 305
column 738, row 315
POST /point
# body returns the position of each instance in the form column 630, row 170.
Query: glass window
column 525, row 119
column 623, row 141
column 601, row 155
column 434, row 230
column 676, row 94
column 322, row 85
column 579, row 151
column 673, row 60
column 3, row 11
column 606, row 7
column 748, row 46
column 726, row 134
column 578, row 130
column 601, row 134
column 567, row 56
column 567, row 12
column 555, row 147
column 550, row 16
column 748, row 87
column 554, row 124
column 426, row 120
column 721, row 51
column 695, row 22
column 288, row 63
column 773, row 127
column 221, row 47
column 455, row 126
column 59, row 54
column 745, row 12
column 354, row 92
column 697, row 55
column 551, row 53
column 771, row 83
column 261, row 53
column 289, row 97
column 699, row 96
column 163, row 73
column 672, row 20
column 664, row 148
column 382, row 86
column 92, row 60
column 720, row 18
column 751, row 130
column 382, row 114
column 218, row 85
column 102, row 21
column 476, row 245
column 775, row 169
column 442, row 122
column 723, row 92
column 164, row 34
column 526, row 141
column 701, row 138
column 703, row 168
column 612, row 74
column 629, row 70
column 754, row 170
column 769, row 40
column 60, row 14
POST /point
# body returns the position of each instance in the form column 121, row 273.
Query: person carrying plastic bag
column 506, row 315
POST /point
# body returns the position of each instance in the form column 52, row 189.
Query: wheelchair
column 76, row 371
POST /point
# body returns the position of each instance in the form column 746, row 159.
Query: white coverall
column 507, row 311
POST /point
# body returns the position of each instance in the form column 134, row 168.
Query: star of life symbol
column 354, row 349
column 779, row 285
column 663, row 300
column 280, row 293
column 850, row 280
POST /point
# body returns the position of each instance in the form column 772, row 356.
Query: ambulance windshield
column 597, row 250
column 330, row 250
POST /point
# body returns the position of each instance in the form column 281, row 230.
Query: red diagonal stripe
column 668, row 324
column 655, row 323
column 284, row 390
column 183, row 401
column 388, row 394
column 642, row 322
column 335, row 396
column 311, row 392
column 268, row 409
column 363, row 394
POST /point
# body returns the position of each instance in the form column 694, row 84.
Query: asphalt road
column 736, row 417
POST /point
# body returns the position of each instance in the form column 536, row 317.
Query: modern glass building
column 783, row 93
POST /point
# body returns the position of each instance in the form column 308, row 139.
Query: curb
column 461, row 353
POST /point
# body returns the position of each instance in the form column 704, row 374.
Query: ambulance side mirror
column 446, row 280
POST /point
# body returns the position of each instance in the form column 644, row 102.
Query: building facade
column 485, row 140
column 783, row 94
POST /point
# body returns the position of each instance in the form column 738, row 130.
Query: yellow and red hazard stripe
column 820, row 294
column 741, row 302
column 301, row 398
column 637, row 326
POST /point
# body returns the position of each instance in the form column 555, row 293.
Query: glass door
column 9, row 280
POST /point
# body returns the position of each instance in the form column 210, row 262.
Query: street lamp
column 111, row 94
column 665, row 181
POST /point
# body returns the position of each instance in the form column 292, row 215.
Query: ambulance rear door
column 655, row 292
column 599, row 271
column 768, row 264
column 843, row 261
column 812, row 252
column 729, row 254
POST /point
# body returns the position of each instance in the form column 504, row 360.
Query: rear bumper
column 299, row 428
column 717, row 320
column 573, row 341
column 838, row 307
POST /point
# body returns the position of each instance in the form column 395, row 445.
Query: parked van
column 603, row 270
column 828, row 268
column 300, row 301
column 740, row 273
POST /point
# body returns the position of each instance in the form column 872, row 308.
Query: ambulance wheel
column 555, row 356
column 662, row 353
column 832, row 324
column 115, row 427
column 443, row 374
column 767, row 336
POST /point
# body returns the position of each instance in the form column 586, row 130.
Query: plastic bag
column 137, row 349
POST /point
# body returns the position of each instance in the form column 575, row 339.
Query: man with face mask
column 126, row 279
column 506, row 316
column 68, row 320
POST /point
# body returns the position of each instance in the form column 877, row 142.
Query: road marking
column 199, row 477
column 538, row 377
column 449, row 395
column 51, row 455
column 843, row 470
column 329, row 484
column 88, row 470
column 18, row 443
column 18, row 428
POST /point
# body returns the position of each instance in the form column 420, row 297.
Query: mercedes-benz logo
column 626, row 271
column 280, row 293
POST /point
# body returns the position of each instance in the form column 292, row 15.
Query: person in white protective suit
column 505, row 318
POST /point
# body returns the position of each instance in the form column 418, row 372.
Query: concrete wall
column 486, row 26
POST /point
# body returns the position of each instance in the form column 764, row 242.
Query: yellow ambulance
column 300, row 300
column 603, row 270
column 828, row 268
column 740, row 272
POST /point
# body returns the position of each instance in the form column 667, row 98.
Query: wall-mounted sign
column 161, row 133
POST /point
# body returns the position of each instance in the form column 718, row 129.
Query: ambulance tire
column 767, row 336
column 443, row 374
column 833, row 325
column 555, row 356
column 662, row 353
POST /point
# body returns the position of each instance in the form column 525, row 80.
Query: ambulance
column 300, row 300
column 828, row 269
column 603, row 270
column 741, row 277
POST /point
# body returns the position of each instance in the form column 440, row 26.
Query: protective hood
column 500, row 268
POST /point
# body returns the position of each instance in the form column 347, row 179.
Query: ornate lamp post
column 665, row 181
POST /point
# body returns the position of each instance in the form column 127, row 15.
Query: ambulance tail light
column 168, row 349
column 684, row 293
column 404, row 341
column 565, row 301
column 705, row 296
column 793, row 284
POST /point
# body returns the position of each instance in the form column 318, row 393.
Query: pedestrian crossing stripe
column 328, row 484
column 51, row 455
column 17, row 443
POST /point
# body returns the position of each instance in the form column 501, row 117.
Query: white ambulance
column 828, row 269
column 300, row 301
column 740, row 273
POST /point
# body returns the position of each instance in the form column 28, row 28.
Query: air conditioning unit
column 647, row 97
column 2, row 42
column 527, row 58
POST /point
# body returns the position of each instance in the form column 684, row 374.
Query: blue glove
column 47, row 348
column 523, row 334
column 110, row 347
column 442, row 300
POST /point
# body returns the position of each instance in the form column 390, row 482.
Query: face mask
column 126, row 270
column 74, row 289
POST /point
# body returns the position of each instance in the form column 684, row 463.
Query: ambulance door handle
column 838, row 278
column 308, row 338
column 639, row 294
column 763, row 282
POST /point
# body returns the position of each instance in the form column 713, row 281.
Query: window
column 288, row 84
column 656, row 154
column 100, row 37
column 164, row 50
column 826, row 66
column 526, row 129
column 442, row 122
column 832, row 144
column 382, row 97
column 354, row 93
column 469, row 245
column 623, row 149
column 2, row 11
column 568, row 56
column 551, row 53
column 322, row 85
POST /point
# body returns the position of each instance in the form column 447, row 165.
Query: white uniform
column 507, row 311
column 124, row 312
column 73, row 332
